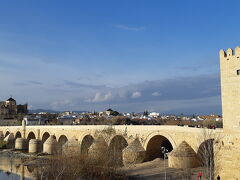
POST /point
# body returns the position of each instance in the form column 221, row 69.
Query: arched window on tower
column 238, row 72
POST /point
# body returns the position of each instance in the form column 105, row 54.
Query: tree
column 208, row 152
column 145, row 113
column 114, row 113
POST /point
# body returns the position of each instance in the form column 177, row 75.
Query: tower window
column 238, row 72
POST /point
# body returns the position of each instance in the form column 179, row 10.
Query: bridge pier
column 35, row 146
column 21, row 144
column 98, row 150
column 50, row 146
column 10, row 141
column 134, row 153
column 183, row 157
column 71, row 147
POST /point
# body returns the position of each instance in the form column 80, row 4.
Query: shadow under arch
column 86, row 142
column 206, row 152
column 30, row 136
column 154, row 143
column 45, row 136
column 18, row 135
column 30, row 168
column 6, row 133
column 116, row 146
column 61, row 141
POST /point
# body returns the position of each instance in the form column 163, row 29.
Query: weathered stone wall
column 228, row 160
column 230, row 87
column 229, row 156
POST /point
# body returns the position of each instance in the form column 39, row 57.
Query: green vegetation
column 3, row 144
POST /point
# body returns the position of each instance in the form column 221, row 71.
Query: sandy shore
column 154, row 170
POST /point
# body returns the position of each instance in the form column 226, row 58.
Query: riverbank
column 38, row 166
column 158, row 169
column 18, row 162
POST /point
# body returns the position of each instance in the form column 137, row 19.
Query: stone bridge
column 151, row 137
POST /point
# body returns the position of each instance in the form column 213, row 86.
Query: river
column 12, row 168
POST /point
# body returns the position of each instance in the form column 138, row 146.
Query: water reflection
column 12, row 168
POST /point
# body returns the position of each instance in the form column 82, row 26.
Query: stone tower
column 230, row 87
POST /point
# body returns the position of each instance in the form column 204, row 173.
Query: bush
column 3, row 144
column 120, row 120
column 76, row 167
column 95, row 163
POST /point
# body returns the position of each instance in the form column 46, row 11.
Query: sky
column 130, row 56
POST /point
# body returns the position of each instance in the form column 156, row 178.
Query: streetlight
column 165, row 155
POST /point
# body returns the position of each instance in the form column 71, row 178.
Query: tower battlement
column 230, row 53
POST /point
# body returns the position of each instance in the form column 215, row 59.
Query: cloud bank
column 199, row 94
column 67, row 90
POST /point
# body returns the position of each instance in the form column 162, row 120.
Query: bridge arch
column 154, row 143
column 18, row 135
column 30, row 169
column 205, row 152
column 31, row 135
column 45, row 136
column 62, row 140
column 116, row 146
column 85, row 143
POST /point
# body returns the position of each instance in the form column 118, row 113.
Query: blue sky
column 129, row 55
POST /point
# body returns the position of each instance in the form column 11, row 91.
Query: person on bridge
column 199, row 175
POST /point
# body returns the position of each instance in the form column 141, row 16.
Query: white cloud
column 156, row 94
column 128, row 28
column 99, row 97
column 136, row 94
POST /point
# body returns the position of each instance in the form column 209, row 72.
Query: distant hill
column 32, row 111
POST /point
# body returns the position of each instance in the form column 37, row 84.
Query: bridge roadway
column 151, row 137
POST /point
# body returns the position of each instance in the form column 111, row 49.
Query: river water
column 12, row 168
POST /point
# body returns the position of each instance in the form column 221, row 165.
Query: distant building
column 108, row 112
column 9, row 109
column 210, row 117
column 154, row 114
column 34, row 120
column 67, row 119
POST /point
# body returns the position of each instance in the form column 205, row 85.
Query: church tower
column 230, row 87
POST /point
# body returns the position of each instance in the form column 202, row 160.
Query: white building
column 34, row 120
column 154, row 114
column 67, row 119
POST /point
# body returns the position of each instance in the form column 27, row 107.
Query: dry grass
column 75, row 167
column 96, row 163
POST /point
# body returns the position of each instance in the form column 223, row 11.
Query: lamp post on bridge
column 165, row 155
column 24, row 128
